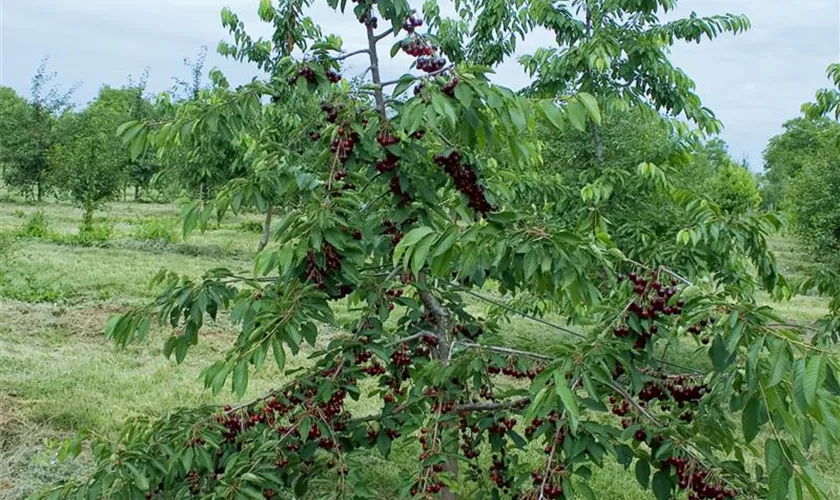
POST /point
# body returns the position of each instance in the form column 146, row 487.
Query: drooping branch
column 505, row 350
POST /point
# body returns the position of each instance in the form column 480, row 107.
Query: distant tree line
column 50, row 147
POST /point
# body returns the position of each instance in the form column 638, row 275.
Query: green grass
column 59, row 374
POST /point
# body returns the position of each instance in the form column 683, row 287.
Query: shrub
column 36, row 226
column 155, row 230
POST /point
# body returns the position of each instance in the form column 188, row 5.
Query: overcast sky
column 754, row 82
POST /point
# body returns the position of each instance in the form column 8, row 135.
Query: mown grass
column 58, row 373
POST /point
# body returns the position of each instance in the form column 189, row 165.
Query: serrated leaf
column 418, row 256
column 404, row 83
column 577, row 115
column 240, row 378
column 643, row 472
column 568, row 398
column 383, row 443
column 661, row 485
column 409, row 240
column 749, row 419
column 813, row 369
column 552, row 113
column 591, row 104
column 279, row 353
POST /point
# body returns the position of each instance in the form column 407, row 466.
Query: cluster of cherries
column 697, row 481
column 333, row 76
column 465, row 181
column 411, row 23
column 510, row 369
column 306, row 72
column 392, row 230
column 498, row 474
column 448, row 88
column 653, row 302
column 417, row 47
column 430, row 64
column 395, row 186
column 389, row 164
column 331, row 112
column 343, row 144
column 319, row 276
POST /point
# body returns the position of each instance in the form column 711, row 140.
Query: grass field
column 58, row 374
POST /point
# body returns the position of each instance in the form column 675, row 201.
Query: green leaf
column 404, row 83
column 812, row 378
column 418, row 257
column 409, row 240
column 383, row 443
column 305, row 427
column 568, row 399
column 749, row 419
column 577, row 115
column 780, row 363
column 662, row 485
column 591, row 104
column 552, row 113
column 773, row 456
column 279, row 353
column 643, row 472
column 240, row 378
column 778, row 484
column 718, row 354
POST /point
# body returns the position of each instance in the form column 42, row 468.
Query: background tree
column 406, row 211
column 28, row 149
column 13, row 113
column 90, row 158
column 804, row 142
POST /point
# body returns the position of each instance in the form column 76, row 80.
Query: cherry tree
column 398, row 204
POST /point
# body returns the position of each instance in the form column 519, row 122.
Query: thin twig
column 506, row 350
column 515, row 311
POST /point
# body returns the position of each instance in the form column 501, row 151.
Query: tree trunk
column 136, row 192
column 599, row 145
column 266, row 229
column 39, row 195
column 446, row 341
column 87, row 220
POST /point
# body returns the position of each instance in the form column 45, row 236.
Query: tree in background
column 28, row 148
column 712, row 172
column 807, row 142
column 13, row 112
column 90, row 159
column 409, row 205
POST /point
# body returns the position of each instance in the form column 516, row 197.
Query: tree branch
column 383, row 34
column 349, row 54
column 417, row 77
column 506, row 350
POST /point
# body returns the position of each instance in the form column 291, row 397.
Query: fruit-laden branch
column 415, row 77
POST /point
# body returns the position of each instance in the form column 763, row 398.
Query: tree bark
column 266, row 229
column 136, row 192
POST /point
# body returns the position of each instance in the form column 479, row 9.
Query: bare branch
column 349, row 54
column 506, row 350
column 384, row 34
